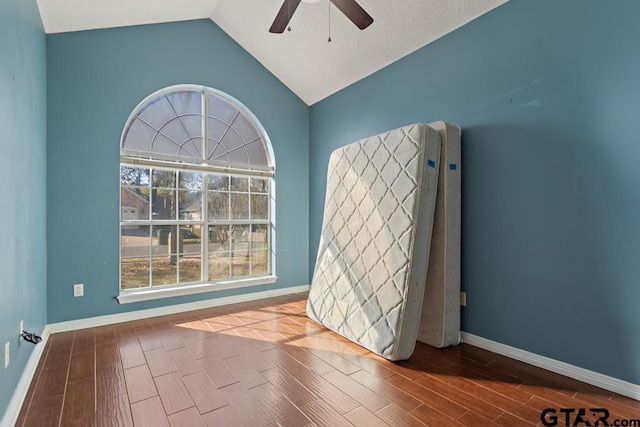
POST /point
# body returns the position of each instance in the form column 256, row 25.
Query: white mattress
column 371, row 269
column 440, row 318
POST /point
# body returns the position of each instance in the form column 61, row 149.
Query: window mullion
column 205, row 192
column 150, row 228
column 231, row 247
column 250, row 230
column 176, row 239
column 205, row 229
column 271, row 223
column 205, row 130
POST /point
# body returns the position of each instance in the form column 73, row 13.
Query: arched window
column 196, row 196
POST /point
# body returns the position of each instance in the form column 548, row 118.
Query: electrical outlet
column 463, row 299
column 21, row 329
column 7, row 354
column 78, row 290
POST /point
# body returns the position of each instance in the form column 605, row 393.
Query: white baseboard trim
column 17, row 400
column 110, row 319
column 590, row 377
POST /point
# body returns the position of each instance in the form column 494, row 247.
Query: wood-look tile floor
column 264, row 363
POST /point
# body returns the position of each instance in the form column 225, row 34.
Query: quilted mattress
column 370, row 274
column 440, row 318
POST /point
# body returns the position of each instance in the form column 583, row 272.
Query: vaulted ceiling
column 303, row 58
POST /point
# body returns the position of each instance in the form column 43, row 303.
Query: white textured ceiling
column 302, row 58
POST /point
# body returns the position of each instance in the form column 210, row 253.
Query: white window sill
column 147, row 294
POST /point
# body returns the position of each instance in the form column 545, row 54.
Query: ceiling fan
column 350, row 8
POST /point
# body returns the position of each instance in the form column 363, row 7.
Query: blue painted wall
column 548, row 95
column 23, row 190
column 95, row 80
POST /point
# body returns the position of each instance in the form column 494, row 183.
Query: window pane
column 259, row 206
column 193, row 145
column 164, row 241
column 239, row 184
column 259, row 261
column 240, row 250
column 134, row 273
column 239, row 206
column 218, row 265
column 190, row 268
column 218, row 238
column 257, row 153
column 192, row 239
column 231, row 141
column 190, row 180
column 218, row 206
column 217, row 152
column 134, row 176
column 134, row 203
column 215, row 130
column 220, row 109
column 193, row 125
column 163, row 203
column 135, row 241
column 157, row 112
column 238, row 155
column 240, row 263
column 190, row 205
column 163, row 178
column 164, row 270
column 259, row 236
column 163, row 145
column 138, row 136
column 186, row 101
column 239, row 237
column 245, row 128
column 174, row 131
column 259, row 185
column 218, row 182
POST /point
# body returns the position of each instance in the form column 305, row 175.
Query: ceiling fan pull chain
column 329, row 40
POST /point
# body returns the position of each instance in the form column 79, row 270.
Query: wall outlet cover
column 7, row 354
column 78, row 290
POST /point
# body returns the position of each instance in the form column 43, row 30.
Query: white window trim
column 135, row 159
column 126, row 297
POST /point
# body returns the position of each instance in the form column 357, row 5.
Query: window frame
column 133, row 159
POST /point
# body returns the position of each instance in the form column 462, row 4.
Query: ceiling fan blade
column 354, row 12
column 284, row 16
